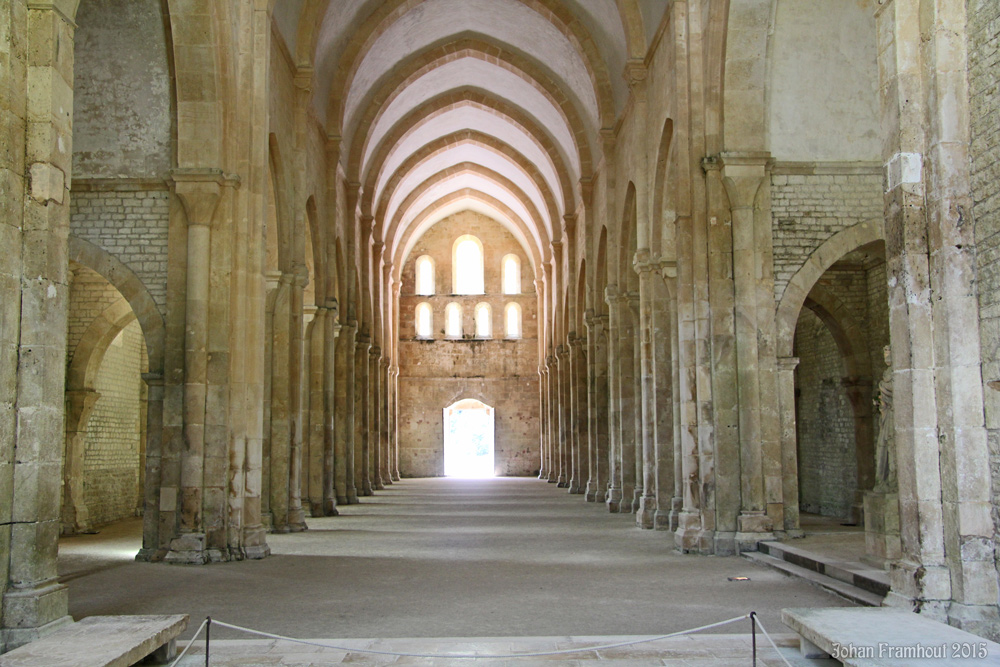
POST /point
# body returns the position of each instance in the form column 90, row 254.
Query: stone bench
column 883, row 637
column 102, row 641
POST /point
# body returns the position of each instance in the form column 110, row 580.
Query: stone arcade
column 253, row 249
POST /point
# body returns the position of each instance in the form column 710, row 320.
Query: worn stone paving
column 443, row 558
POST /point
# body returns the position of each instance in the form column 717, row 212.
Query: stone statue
column 885, row 448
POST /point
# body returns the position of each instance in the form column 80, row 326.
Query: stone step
column 843, row 589
column 854, row 573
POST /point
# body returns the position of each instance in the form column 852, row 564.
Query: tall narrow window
column 468, row 265
column 423, row 319
column 484, row 321
column 512, row 323
column 425, row 275
column 511, row 274
column 453, row 321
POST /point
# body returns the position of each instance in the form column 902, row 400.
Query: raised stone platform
column 886, row 638
column 102, row 641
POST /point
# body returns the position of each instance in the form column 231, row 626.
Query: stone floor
column 830, row 537
column 697, row 651
column 431, row 558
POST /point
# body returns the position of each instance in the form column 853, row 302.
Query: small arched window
column 468, row 265
column 425, row 275
column 453, row 321
column 512, row 320
column 424, row 321
column 511, row 270
column 484, row 321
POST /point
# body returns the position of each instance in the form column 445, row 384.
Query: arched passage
column 469, row 439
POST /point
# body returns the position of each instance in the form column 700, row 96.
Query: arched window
column 453, row 321
column 511, row 269
column 484, row 321
column 424, row 321
column 425, row 275
column 512, row 320
column 468, row 265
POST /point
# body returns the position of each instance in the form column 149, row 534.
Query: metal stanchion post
column 753, row 635
column 208, row 637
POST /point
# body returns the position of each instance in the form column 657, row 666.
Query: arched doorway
column 468, row 439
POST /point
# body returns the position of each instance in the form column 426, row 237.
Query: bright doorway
column 468, row 439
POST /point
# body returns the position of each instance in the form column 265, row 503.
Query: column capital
column 787, row 363
column 668, row 268
column 152, row 379
column 743, row 173
column 199, row 190
column 645, row 262
column 610, row 294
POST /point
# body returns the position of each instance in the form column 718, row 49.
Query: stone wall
column 121, row 97
column 437, row 372
column 807, row 209
column 129, row 223
column 112, row 459
column 984, row 92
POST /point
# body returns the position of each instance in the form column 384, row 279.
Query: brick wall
column 112, row 453
column 89, row 296
column 807, row 209
column 984, row 90
column 827, row 463
column 436, row 373
column 131, row 225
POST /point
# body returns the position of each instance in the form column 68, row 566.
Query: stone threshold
column 851, row 580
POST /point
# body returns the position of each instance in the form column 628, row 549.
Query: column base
column 882, row 540
column 187, row 549
column 982, row 620
column 724, row 543
column 753, row 527
column 12, row 638
column 614, row 500
column 379, row 486
column 366, row 488
column 689, row 536
column 395, row 476
column 574, row 487
column 590, row 494
column 919, row 588
column 644, row 516
column 676, row 506
column 636, row 499
column 352, row 498
column 663, row 520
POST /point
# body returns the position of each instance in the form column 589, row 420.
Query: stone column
column 667, row 411
column 277, row 462
column 563, row 460
column 385, row 479
column 646, row 511
column 631, row 415
column 331, row 407
column 199, row 192
column 297, row 402
column 597, row 407
column 375, row 433
column 79, row 406
column 312, row 486
column 578, row 414
column 395, row 429
column 344, row 450
column 362, row 417
column 614, row 493
column 153, row 544
column 543, row 417
column 789, row 445
column 743, row 176
column 35, row 165
column 859, row 395
column 552, row 404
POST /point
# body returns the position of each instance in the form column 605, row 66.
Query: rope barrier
column 455, row 656
column 190, row 643
column 760, row 625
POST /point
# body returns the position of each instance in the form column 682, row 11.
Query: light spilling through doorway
column 468, row 439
